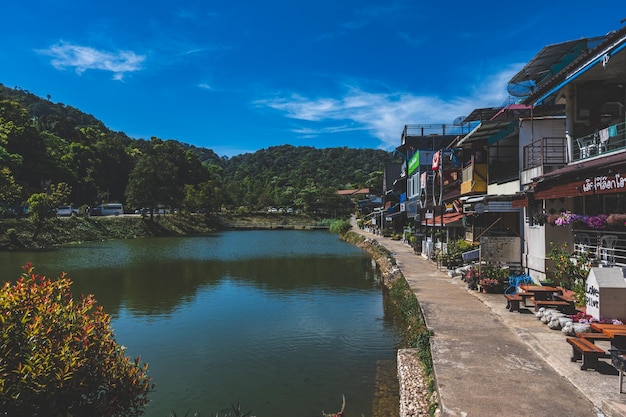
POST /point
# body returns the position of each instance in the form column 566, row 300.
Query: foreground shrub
column 59, row 357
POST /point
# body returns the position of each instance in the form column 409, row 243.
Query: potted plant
column 492, row 278
column 472, row 276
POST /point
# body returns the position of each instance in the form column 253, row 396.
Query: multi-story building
column 548, row 167
column 573, row 172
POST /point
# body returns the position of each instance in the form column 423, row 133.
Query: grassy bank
column 401, row 297
column 17, row 234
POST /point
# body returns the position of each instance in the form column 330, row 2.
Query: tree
column 151, row 183
column 59, row 357
column 10, row 192
column 205, row 195
column 43, row 205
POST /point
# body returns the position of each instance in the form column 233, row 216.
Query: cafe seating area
column 538, row 296
column 592, row 339
column 586, row 349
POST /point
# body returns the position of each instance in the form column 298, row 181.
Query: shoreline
column 416, row 395
column 16, row 234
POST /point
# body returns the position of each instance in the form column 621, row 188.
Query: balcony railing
column 438, row 129
column 606, row 247
column 548, row 152
column 609, row 139
column 503, row 170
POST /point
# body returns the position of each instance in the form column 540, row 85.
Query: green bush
column 570, row 271
column 59, row 357
column 339, row 226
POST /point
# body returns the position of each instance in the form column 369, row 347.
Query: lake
column 284, row 322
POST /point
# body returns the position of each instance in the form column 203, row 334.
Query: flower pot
column 492, row 289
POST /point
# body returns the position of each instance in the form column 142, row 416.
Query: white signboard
column 606, row 292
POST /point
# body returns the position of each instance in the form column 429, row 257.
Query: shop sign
column 606, row 183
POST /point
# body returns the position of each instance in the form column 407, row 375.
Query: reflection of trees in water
column 160, row 287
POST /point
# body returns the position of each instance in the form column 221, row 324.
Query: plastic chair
column 607, row 248
column 583, row 242
column 587, row 147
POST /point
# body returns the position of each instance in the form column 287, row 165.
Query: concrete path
column 492, row 362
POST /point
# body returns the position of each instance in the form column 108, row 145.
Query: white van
column 66, row 211
column 109, row 209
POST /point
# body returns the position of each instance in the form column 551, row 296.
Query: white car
column 66, row 211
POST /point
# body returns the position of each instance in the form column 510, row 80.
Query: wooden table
column 617, row 333
column 540, row 292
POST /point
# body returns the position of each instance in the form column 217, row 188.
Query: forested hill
column 43, row 143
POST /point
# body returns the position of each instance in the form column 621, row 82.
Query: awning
column 582, row 168
column 449, row 220
column 522, row 200
column 546, row 64
column 492, row 132
column 602, row 54
column 390, row 216
column 589, row 182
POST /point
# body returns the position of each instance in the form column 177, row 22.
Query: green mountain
column 44, row 143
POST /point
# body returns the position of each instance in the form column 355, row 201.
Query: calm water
column 284, row 322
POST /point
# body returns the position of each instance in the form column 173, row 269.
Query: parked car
column 109, row 209
column 66, row 211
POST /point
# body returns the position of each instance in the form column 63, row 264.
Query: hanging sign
column 436, row 158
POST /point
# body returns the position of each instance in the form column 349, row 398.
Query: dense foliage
column 58, row 355
column 569, row 270
column 44, row 143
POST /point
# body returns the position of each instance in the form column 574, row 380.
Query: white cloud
column 82, row 58
column 384, row 115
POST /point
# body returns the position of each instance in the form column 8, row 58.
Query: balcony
column 602, row 141
column 474, row 179
column 542, row 156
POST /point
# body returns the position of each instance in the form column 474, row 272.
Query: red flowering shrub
column 59, row 357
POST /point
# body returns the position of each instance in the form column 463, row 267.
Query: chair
column 583, row 243
column 607, row 248
column 588, row 147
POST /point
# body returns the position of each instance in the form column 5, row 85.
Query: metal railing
column 606, row 247
column 504, row 171
column 601, row 141
column 546, row 152
column 437, row 129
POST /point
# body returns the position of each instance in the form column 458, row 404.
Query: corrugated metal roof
column 589, row 58
column 546, row 64
column 492, row 132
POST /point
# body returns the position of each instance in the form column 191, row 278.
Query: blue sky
column 241, row 75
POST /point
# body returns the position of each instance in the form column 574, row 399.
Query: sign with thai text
column 605, row 183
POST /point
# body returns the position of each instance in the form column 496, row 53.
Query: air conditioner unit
column 468, row 208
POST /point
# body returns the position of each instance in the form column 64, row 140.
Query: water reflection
column 284, row 321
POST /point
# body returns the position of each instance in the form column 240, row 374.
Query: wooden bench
column 588, row 352
column 593, row 336
column 567, row 307
column 525, row 296
column 512, row 302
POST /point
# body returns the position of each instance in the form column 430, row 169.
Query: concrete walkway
column 492, row 362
